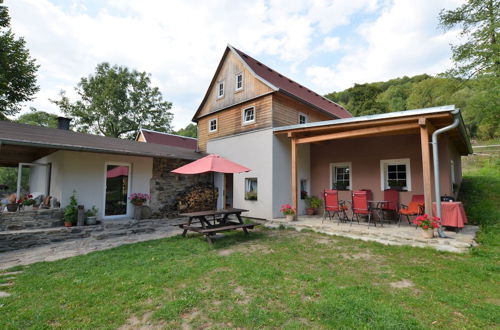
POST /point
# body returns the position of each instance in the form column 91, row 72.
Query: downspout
column 435, row 153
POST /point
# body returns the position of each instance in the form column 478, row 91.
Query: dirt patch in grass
column 241, row 292
column 143, row 323
column 246, row 248
column 402, row 284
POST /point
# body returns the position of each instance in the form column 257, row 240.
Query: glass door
column 117, row 185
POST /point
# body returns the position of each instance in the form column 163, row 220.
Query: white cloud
column 403, row 40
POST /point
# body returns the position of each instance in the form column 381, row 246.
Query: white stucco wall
column 282, row 173
column 255, row 151
column 84, row 173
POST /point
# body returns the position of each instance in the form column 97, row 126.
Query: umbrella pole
column 213, row 194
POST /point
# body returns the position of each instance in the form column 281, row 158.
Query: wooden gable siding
column 252, row 87
column 141, row 138
column 230, row 121
column 286, row 111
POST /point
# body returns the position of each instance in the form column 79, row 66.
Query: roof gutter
column 435, row 153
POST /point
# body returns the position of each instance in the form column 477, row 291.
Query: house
column 150, row 136
column 299, row 143
column 102, row 171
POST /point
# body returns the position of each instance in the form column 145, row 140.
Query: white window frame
column 236, row 89
column 305, row 116
column 332, row 176
column 219, row 95
column 243, row 117
column 210, row 130
column 384, row 177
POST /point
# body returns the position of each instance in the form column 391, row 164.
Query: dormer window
column 249, row 115
column 220, row 89
column 302, row 118
column 212, row 125
column 239, row 82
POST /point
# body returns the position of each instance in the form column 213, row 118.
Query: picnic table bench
column 220, row 219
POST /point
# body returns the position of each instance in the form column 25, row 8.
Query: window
column 453, row 178
column 303, row 189
column 212, row 125
column 249, row 115
column 395, row 173
column 340, row 176
column 251, row 189
column 239, row 82
column 302, row 118
column 220, row 89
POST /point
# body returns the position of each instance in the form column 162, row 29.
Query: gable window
column 341, row 176
column 249, row 115
column 239, row 82
column 251, row 189
column 212, row 125
column 395, row 173
column 220, row 89
column 302, row 118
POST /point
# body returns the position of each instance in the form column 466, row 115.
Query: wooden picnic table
column 220, row 222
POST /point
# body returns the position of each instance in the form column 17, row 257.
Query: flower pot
column 428, row 233
column 290, row 217
column 12, row 207
column 28, row 208
column 310, row 211
column 138, row 203
column 91, row 221
column 67, row 224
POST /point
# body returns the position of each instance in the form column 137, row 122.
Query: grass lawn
column 271, row 279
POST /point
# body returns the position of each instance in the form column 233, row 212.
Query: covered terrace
column 369, row 152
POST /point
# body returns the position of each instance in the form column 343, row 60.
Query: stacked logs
column 197, row 198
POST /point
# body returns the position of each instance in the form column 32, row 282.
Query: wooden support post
column 295, row 198
column 426, row 165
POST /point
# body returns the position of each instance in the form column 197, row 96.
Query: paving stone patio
column 389, row 234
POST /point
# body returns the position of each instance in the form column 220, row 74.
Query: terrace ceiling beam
column 371, row 131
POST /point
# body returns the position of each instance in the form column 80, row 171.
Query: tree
column 117, row 102
column 38, row 118
column 190, row 130
column 17, row 69
column 480, row 23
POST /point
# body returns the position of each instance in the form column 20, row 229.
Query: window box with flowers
column 138, row 199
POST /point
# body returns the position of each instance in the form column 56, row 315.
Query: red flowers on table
column 287, row 209
column 424, row 222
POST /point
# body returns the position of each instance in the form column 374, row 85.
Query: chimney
column 63, row 123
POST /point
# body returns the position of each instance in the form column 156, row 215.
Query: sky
column 324, row 45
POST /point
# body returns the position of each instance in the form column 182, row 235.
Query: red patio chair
column 334, row 206
column 360, row 205
column 392, row 204
column 416, row 207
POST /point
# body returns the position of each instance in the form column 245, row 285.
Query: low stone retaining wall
column 31, row 219
column 21, row 239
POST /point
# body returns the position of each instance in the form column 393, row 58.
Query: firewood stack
column 197, row 198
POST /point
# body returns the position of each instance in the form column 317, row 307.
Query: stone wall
column 166, row 187
column 31, row 219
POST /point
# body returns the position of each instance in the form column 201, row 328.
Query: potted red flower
column 427, row 224
column 288, row 211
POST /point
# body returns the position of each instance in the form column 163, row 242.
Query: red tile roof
column 291, row 87
column 169, row 139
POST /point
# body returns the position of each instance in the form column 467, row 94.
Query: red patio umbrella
column 211, row 163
